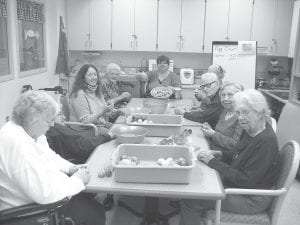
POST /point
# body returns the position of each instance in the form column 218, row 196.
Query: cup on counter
column 177, row 93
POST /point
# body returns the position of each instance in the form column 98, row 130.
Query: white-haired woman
column 253, row 163
column 110, row 88
column 227, row 131
column 32, row 172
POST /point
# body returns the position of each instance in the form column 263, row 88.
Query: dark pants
column 84, row 210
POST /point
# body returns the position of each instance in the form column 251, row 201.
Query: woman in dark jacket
column 253, row 163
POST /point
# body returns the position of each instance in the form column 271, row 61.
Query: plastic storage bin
column 152, row 173
column 162, row 125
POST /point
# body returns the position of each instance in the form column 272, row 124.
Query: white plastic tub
column 163, row 125
column 153, row 173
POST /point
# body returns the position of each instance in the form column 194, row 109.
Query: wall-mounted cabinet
column 178, row 25
column 169, row 23
column 271, row 25
column 185, row 32
column 227, row 20
column 89, row 24
column 78, row 14
column 134, row 25
column 192, row 29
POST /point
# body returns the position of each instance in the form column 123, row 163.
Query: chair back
column 289, row 162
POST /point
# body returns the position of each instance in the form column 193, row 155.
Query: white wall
column 10, row 90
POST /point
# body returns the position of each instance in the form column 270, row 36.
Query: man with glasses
column 208, row 111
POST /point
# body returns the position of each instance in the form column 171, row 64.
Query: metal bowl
column 157, row 106
column 129, row 134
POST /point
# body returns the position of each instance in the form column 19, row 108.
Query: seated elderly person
column 220, row 72
column 160, row 77
column 207, row 112
column 31, row 172
column 227, row 131
column 110, row 88
column 254, row 163
column 71, row 144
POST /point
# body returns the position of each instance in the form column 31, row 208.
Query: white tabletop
column 204, row 183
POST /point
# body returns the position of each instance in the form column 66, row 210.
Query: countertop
column 278, row 94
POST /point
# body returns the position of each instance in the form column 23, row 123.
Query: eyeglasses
column 162, row 63
column 201, row 87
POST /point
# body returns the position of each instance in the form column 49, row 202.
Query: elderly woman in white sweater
column 31, row 172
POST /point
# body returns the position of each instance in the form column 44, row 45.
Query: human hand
column 207, row 130
column 216, row 154
column 199, row 94
column 179, row 111
column 126, row 95
column 205, row 156
column 141, row 76
column 108, row 107
column 82, row 174
column 73, row 169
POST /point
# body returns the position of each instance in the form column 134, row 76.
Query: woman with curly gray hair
column 32, row 172
column 253, row 163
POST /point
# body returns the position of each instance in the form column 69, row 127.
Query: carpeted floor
column 290, row 213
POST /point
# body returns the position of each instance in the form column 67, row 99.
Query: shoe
column 108, row 202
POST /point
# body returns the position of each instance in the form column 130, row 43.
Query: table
column 138, row 102
column 205, row 182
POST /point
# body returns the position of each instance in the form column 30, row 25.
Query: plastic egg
column 165, row 163
column 101, row 173
column 172, row 163
column 125, row 162
column 140, row 121
column 160, row 161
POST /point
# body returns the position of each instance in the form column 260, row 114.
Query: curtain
column 62, row 63
column 30, row 11
column 3, row 9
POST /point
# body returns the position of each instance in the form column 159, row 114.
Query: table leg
column 218, row 212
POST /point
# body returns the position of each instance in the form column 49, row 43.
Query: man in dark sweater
column 71, row 144
column 211, row 107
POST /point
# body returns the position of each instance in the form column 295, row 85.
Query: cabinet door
column 78, row 24
column 263, row 24
column 192, row 25
column 100, row 24
column 239, row 25
column 169, row 25
column 283, row 27
column 123, row 24
column 145, row 25
column 216, row 22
